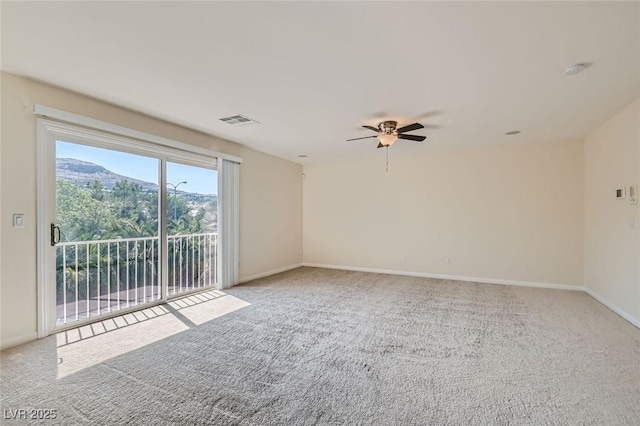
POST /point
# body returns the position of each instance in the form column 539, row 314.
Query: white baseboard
column 19, row 340
column 624, row 314
column 266, row 274
column 450, row 277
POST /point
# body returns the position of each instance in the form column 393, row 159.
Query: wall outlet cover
column 620, row 193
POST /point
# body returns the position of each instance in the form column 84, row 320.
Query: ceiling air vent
column 239, row 120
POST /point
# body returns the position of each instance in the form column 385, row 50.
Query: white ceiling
column 312, row 73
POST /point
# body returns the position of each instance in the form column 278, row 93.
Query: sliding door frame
column 48, row 133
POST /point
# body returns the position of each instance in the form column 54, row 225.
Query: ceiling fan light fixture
column 387, row 139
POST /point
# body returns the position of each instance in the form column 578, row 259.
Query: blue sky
column 202, row 181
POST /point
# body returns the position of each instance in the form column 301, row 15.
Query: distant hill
column 83, row 173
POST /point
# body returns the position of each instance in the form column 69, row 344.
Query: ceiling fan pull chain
column 387, row 158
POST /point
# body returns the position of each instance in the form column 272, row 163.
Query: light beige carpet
column 328, row 347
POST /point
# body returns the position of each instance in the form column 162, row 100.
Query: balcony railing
column 102, row 276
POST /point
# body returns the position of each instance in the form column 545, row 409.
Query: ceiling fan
column 388, row 133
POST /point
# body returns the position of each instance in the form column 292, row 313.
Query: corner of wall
column 611, row 246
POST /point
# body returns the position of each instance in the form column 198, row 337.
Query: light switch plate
column 18, row 220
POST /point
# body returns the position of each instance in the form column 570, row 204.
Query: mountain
column 83, row 173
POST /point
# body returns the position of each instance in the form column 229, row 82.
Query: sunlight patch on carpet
column 86, row 353
column 93, row 344
column 203, row 312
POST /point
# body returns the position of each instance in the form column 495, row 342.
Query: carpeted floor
column 314, row 346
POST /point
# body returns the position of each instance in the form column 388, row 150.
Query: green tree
column 96, row 189
column 80, row 216
column 93, row 212
column 177, row 207
column 136, row 210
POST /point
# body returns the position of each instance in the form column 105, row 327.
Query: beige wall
column 270, row 194
column 527, row 213
column 612, row 245
column 501, row 212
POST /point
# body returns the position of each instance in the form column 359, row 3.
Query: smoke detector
column 239, row 120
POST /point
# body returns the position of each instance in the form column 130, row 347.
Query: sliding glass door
column 106, row 231
column 129, row 228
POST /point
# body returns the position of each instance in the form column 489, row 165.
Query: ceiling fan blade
column 372, row 128
column 380, row 146
column 412, row 137
column 366, row 137
column 410, row 127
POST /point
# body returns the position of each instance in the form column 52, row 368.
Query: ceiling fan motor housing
column 388, row 127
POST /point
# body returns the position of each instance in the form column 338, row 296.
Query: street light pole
column 175, row 198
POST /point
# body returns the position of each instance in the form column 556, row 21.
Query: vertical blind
column 228, row 222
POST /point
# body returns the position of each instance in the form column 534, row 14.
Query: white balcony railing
column 102, row 276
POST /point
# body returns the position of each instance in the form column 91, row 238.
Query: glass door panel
column 192, row 229
column 107, row 255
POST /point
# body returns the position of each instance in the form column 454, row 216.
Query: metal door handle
column 55, row 234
